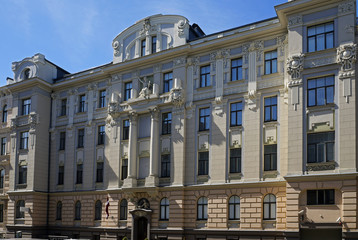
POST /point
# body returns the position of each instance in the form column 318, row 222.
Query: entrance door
column 142, row 228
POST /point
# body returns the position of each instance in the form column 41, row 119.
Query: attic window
column 27, row 73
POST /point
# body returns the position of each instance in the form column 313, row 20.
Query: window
column 99, row 172
column 124, row 168
column 320, row 197
column 203, row 163
column 320, row 147
column 81, row 137
column 269, row 207
column 166, row 123
column 271, row 109
column 26, row 106
column 1, row 212
column 236, row 114
column 142, row 50
column 271, row 62
column 204, row 119
column 102, row 99
column 61, row 175
column 2, row 178
column 320, row 37
column 63, row 107
column 22, row 174
column 168, row 82
column 4, row 114
column 19, row 204
column 320, row 91
column 27, row 73
column 236, row 69
column 98, row 210
column 164, row 209
column 59, row 210
column 126, row 129
column 235, row 160
column 3, row 146
column 62, row 140
column 101, row 134
column 123, row 210
column 127, row 91
column 154, row 44
column 202, row 213
column 24, row 140
column 270, row 157
column 78, row 210
column 205, row 76
column 82, row 103
column 79, row 174
column 234, row 208
column 165, row 165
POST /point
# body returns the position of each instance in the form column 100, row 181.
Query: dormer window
column 142, row 52
column 27, row 74
column 154, row 44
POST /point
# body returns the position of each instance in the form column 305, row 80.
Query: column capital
column 154, row 112
column 133, row 117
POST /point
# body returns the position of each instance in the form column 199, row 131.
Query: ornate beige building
column 249, row 133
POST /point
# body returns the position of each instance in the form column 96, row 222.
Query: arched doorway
column 142, row 228
column 141, row 220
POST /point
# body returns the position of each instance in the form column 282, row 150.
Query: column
column 152, row 179
column 131, row 180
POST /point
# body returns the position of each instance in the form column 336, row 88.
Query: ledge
column 323, row 166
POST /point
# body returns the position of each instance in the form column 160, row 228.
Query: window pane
column 233, row 118
column 329, row 40
column 320, row 152
column 274, row 66
column 200, row 212
column 329, row 27
column 237, row 211
column 311, row 153
column 330, row 151
column 267, row 114
column 233, row 74
column 311, row 83
column 266, row 211
column 274, row 113
column 320, row 29
column 267, row 67
column 321, row 96
column 311, row 98
column 239, row 74
column 311, row 197
column 330, row 95
column 320, row 195
column 239, row 118
column 320, row 42
column 205, row 211
column 311, row 31
column 273, row 211
column 232, row 212
column 311, row 44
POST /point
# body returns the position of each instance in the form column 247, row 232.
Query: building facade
column 249, row 133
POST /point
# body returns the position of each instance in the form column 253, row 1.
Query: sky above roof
column 77, row 35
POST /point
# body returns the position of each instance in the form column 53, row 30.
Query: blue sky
column 77, row 35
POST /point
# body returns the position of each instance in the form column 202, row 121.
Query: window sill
column 204, row 88
column 276, row 74
column 81, row 113
column 204, row 131
column 270, row 174
column 21, row 185
column 233, row 82
column 23, row 150
column 202, row 178
column 233, row 223
column 328, row 50
column 201, row 223
column 269, row 223
column 329, row 106
column 235, row 176
column 322, row 166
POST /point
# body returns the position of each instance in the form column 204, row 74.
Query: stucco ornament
column 148, row 28
column 181, row 26
column 116, row 47
column 145, row 92
column 346, row 56
column 295, row 66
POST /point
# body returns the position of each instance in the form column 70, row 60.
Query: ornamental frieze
column 295, row 66
column 346, row 56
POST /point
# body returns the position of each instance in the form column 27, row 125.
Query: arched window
column 4, row 114
column 19, row 204
column 269, row 207
column 234, row 208
column 78, row 210
column 164, row 209
column 98, row 210
column 202, row 208
column 59, row 210
column 123, row 210
column 27, row 73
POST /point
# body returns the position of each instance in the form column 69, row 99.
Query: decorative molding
column 147, row 28
column 182, row 24
column 346, row 56
column 179, row 61
column 321, row 166
column 345, row 7
column 349, row 28
column 116, row 48
column 294, row 21
column 252, row 99
column 322, row 61
column 295, row 66
column 154, row 112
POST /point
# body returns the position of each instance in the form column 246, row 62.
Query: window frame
column 24, row 140
column 237, row 113
column 270, row 204
column 61, row 175
column 143, row 45
column 22, row 179
column 236, row 68
column 79, row 173
column 102, row 98
column 62, row 141
column 124, row 169
column 164, row 209
column 167, row 82
column 235, row 161
column 165, row 166
column 273, row 108
column 2, row 178
column 325, row 37
column 78, row 209
column 126, row 128
column 127, row 91
column 101, row 135
column 324, row 193
column 19, row 214
column 235, row 206
column 3, row 151
column 166, row 123
column 316, row 89
column 26, row 106
column 154, row 44
column 203, row 163
column 123, row 209
column 98, row 210
column 202, row 209
column 99, row 172
column 205, row 118
column 272, row 61
column 63, row 111
column 59, row 211
column 323, row 143
column 81, row 138
column 205, row 78
column 82, row 103
column 271, row 156
column 4, row 114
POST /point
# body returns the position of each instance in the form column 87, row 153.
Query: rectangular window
column 127, row 91
column 101, row 135
column 124, row 168
column 142, row 50
column 168, row 82
column 82, row 103
column 102, row 99
column 126, row 129
column 99, row 172
column 3, row 146
column 235, row 160
column 236, row 69
column 24, row 140
column 271, row 109
column 320, row 37
column 63, row 107
column 22, row 174
column 62, row 140
column 61, row 175
column 270, row 157
column 320, row 91
column 271, row 62
column 1, row 212
column 205, row 76
column 79, row 174
column 81, row 138
column 320, row 147
column 26, row 106
column 203, row 163
column 204, row 119
column 165, row 166
column 236, row 114
column 320, row 197
column 166, row 123
column 2, row 178
column 154, row 44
